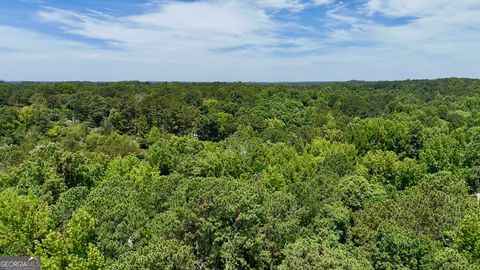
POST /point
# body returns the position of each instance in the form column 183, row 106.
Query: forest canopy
column 135, row 175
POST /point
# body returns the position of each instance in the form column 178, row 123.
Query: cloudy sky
column 238, row 40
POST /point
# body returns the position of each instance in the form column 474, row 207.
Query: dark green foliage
column 132, row 175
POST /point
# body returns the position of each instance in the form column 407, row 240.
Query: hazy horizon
column 246, row 82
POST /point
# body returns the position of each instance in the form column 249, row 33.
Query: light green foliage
column 25, row 115
column 356, row 191
column 447, row 259
column 115, row 119
column 211, row 104
column 141, row 126
column 381, row 167
column 154, row 136
column 310, row 254
column 166, row 154
column 379, row 134
column 338, row 158
column 23, row 220
column 468, row 238
column 385, row 168
column 160, row 254
column 442, row 153
column 432, row 209
column 113, row 144
column 73, row 249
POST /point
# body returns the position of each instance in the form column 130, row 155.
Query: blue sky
column 238, row 40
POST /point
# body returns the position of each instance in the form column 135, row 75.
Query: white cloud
column 418, row 8
column 177, row 29
column 322, row 2
column 28, row 44
column 441, row 28
column 294, row 5
column 229, row 18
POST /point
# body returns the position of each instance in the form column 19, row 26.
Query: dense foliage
column 241, row 176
